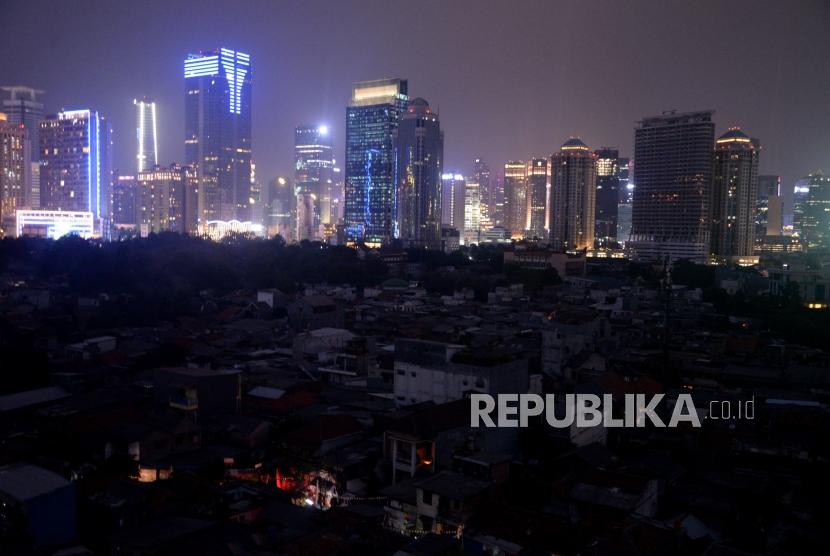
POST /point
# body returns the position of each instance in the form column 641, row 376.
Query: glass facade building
column 481, row 175
column 801, row 190
column 313, row 170
column 218, row 131
column 372, row 119
column 815, row 218
column 608, row 195
column 419, row 161
column 768, row 207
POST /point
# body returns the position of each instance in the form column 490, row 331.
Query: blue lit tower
column 218, row 131
column 371, row 128
column 420, row 150
column 75, row 173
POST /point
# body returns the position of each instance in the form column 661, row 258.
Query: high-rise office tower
column 497, row 201
column 305, row 216
column 106, row 141
column 218, row 131
column 481, row 175
column 76, row 162
column 472, row 213
column 673, row 179
column 338, row 201
column 734, row 195
column 167, row 200
column 15, row 173
column 769, row 207
column 515, row 197
column 538, row 188
column 372, row 119
column 815, row 220
column 147, row 152
column 623, row 222
column 608, row 194
column 313, row 166
column 257, row 208
column 626, row 200
column 419, row 160
column 22, row 107
column 801, row 189
column 279, row 202
column 124, row 190
column 626, row 187
column 573, row 196
column 33, row 193
column 452, row 200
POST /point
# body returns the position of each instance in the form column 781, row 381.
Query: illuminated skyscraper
column 673, row 179
column 419, row 156
column 76, row 162
column 481, row 175
column 769, row 207
column 337, row 197
column 313, row 165
column 734, row 195
column 472, row 213
column 515, row 197
column 279, row 202
column 166, row 200
column 218, row 131
column 623, row 222
column 15, row 172
column 372, row 119
column 815, row 220
column 497, row 201
column 147, row 154
column 573, row 196
column 452, row 200
column 538, row 186
column 123, row 201
column 608, row 194
column 626, row 201
column 22, row 107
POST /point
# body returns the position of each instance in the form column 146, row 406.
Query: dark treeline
column 182, row 264
column 162, row 274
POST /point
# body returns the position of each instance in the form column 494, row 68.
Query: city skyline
column 434, row 278
column 765, row 97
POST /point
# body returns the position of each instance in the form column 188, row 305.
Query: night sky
column 511, row 79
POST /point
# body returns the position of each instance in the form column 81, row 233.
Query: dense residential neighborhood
column 325, row 416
